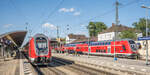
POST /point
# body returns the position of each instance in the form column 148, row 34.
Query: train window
column 100, row 43
column 97, row 50
column 90, row 44
column 104, row 51
column 93, row 44
column 106, row 43
column 41, row 43
column 103, row 43
column 96, row 43
column 124, row 48
column 131, row 42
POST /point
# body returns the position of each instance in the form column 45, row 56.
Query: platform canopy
column 16, row 37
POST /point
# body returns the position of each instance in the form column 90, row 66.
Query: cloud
column 7, row 25
column 82, row 25
column 66, row 10
column 69, row 10
column 48, row 25
column 76, row 14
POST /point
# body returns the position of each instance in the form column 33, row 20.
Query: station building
column 72, row 37
column 109, row 33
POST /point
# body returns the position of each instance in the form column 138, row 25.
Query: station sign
column 144, row 38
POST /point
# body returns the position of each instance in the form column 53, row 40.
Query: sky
column 44, row 16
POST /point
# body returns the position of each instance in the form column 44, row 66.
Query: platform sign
column 144, row 38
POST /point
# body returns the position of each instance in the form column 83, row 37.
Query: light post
column 146, row 32
column 91, row 29
column 88, row 47
column 115, row 30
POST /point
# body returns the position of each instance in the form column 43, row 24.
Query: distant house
column 72, row 37
column 109, row 33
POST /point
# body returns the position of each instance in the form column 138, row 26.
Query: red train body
column 122, row 48
column 38, row 50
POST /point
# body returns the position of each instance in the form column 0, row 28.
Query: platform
column 16, row 66
column 9, row 67
column 122, row 64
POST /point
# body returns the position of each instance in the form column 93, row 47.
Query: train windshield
column 132, row 45
column 41, row 43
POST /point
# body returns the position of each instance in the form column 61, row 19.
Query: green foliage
column 96, row 27
column 141, row 25
column 128, row 34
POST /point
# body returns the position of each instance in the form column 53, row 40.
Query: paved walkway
column 12, row 66
column 122, row 64
column 9, row 67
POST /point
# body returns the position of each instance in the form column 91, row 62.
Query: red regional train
column 123, row 48
column 38, row 50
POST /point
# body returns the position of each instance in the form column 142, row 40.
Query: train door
column 109, row 49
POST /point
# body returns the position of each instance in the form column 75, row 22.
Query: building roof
column 17, row 37
column 119, row 28
column 76, row 36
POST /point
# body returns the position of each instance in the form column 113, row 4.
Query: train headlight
column 32, row 59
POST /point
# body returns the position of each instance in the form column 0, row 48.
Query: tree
column 128, row 34
column 96, row 27
column 141, row 25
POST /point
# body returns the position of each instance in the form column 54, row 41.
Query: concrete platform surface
column 9, row 67
column 122, row 64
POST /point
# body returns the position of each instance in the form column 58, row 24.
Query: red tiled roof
column 119, row 28
column 72, row 36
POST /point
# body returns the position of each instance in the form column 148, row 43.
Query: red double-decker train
column 38, row 50
column 121, row 48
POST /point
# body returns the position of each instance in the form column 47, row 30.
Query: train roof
column 40, row 35
column 99, row 41
column 113, row 40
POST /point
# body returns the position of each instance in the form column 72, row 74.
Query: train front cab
column 39, row 51
column 127, row 49
column 134, row 52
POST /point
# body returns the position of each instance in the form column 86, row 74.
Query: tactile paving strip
column 27, row 70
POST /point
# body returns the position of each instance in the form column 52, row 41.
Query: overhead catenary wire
column 110, row 11
column 19, row 11
column 49, row 15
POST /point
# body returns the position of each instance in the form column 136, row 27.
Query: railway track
column 110, row 67
column 79, row 69
column 61, row 66
column 65, row 67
